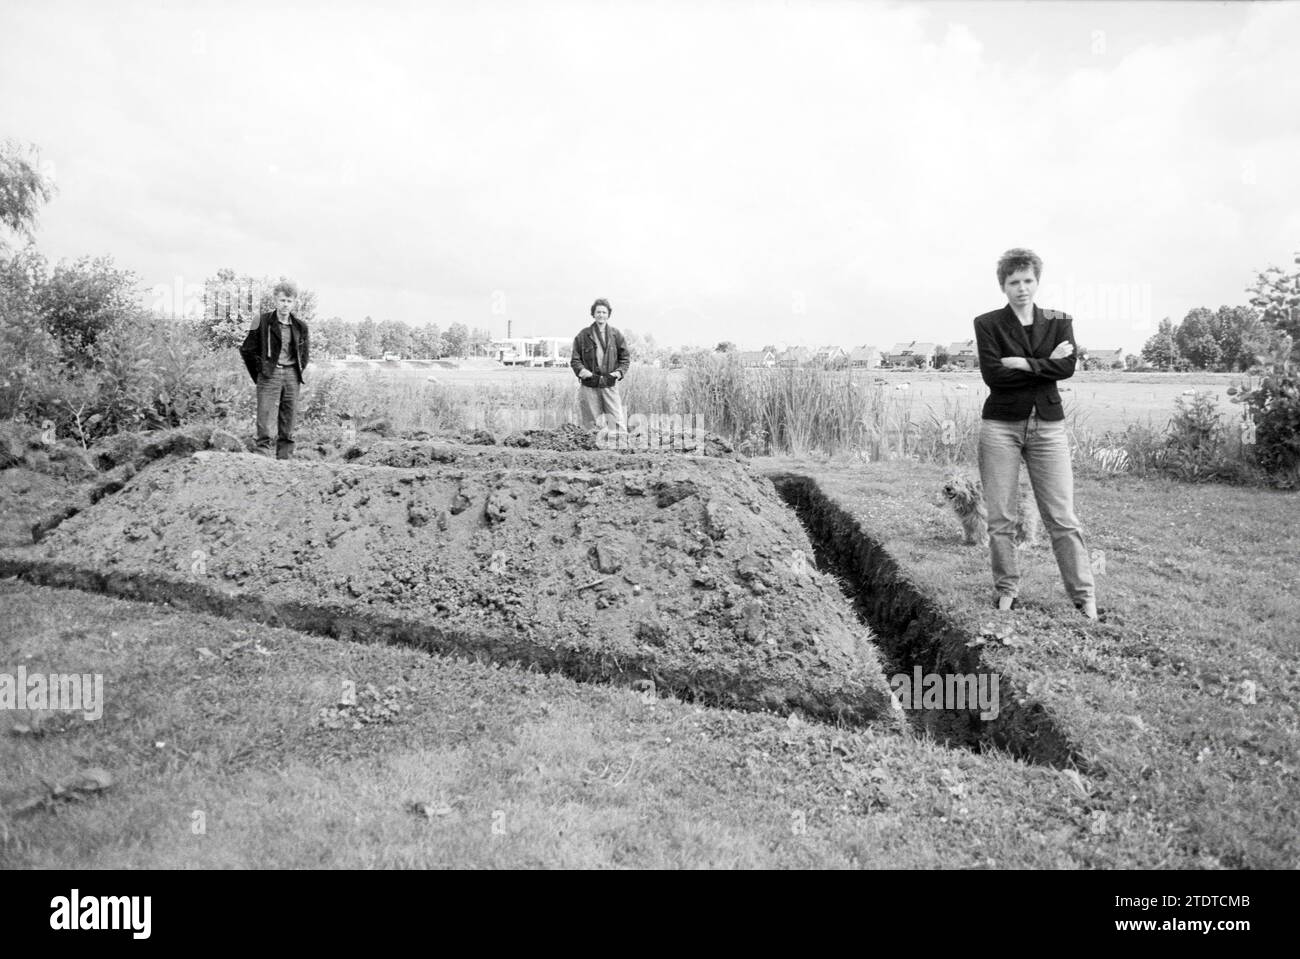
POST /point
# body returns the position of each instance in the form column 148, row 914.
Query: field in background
column 878, row 413
column 1103, row 401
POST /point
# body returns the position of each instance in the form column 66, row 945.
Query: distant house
column 963, row 354
column 864, row 358
column 831, row 357
column 1105, row 359
column 795, row 356
column 904, row 354
column 763, row 358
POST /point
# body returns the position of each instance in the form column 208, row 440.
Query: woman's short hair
column 602, row 302
column 1018, row 259
column 285, row 286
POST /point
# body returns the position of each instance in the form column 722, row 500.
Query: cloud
column 709, row 167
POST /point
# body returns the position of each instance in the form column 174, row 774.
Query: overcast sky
column 758, row 172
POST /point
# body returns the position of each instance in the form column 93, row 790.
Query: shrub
column 1196, row 429
column 129, row 379
column 81, row 301
column 1274, row 408
column 328, row 399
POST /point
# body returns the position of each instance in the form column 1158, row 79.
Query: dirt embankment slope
column 685, row 571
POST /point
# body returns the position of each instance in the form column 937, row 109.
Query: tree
column 21, row 277
column 1241, row 336
column 24, row 189
column 726, row 346
column 1132, row 361
column 428, row 343
column 457, row 339
column 1196, row 340
column 1161, row 349
column 229, row 308
column 479, row 341
column 334, row 337
column 394, row 337
column 81, row 300
column 368, row 339
column 31, row 355
column 941, row 357
column 1276, row 293
column 232, row 303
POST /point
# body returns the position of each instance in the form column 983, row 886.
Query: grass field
column 228, row 745
column 1096, row 401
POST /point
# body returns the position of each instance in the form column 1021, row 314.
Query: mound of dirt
column 140, row 449
column 565, row 438
column 688, row 571
column 23, row 446
column 119, row 457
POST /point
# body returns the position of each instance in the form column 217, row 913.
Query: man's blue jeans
column 277, row 408
column 1046, row 453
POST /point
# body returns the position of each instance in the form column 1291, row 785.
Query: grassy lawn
column 1199, row 597
column 455, row 763
column 567, row 774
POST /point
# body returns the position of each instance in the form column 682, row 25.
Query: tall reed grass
column 780, row 411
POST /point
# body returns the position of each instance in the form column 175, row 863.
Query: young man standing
column 275, row 352
column 600, row 361
column 1023, row 351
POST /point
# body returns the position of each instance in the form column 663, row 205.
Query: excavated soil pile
column 687, row 571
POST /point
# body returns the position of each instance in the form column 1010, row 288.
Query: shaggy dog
column 967, row 499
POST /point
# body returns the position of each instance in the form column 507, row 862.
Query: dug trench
column 914, row 633
column 687, row 573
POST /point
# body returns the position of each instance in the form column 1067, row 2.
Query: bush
column 1195, row 446
column 1196, row 435
column 80, row 302
column 328, row 400
column 1274, row 409
column 129, row 380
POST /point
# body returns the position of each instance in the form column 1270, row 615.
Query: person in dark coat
column 1024, row 351
column 600, row 360
column 276, row 353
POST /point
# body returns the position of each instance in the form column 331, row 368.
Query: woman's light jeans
column 1043, row 447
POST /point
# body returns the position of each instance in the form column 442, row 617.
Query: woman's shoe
column 1014, row 604
column 1089, row 610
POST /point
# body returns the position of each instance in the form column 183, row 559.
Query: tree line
column 1232, row 339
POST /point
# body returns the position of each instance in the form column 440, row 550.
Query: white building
column 531, row 350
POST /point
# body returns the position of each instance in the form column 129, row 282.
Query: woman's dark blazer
column 1013, row 394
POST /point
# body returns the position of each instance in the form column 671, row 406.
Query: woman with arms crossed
column 1023, row 351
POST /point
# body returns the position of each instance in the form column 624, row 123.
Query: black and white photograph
column 735, row 435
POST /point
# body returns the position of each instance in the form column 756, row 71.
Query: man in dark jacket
column 600, row 361
column 276, row 352
column 1023, row 351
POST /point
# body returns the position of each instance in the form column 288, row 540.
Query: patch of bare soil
column 26, row 495
column 43, row 483
column 687, row 571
